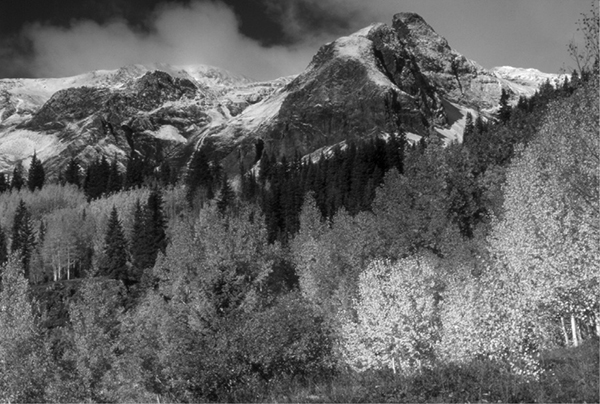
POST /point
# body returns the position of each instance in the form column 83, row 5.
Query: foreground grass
column 570, row 375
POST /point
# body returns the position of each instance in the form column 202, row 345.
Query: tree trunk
column 574, row 330
column 598, row 324
column 564, row 330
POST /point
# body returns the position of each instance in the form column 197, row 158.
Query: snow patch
column 412, row 138
column 168, row 132
column 20, row 144
column 255, row 115
column 457, row 118
column 360, row 48
column 526, row 81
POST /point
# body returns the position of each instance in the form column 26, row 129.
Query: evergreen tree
column 139, row 241
column 115, row 180
column 505, row 109
column 3, row 247
column 42, row 232
column 37, row 175
column 18, row 179
column 72, row 172
column 134, row 173
column 226, row 198
column 156, row 223
column 114, row 264
column 166, row 173
column 469, row 129
column 198, row 178
column 148, row 236
column 4, row 185
column 96, row 179
column 23, row 236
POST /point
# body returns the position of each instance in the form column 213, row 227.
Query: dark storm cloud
column 198, row 33
column 259, row 38
column 263, row 39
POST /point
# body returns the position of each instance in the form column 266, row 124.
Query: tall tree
column 469, row 129
column 114, row 264
column 134, row 172
column 72, row 172
column 548, row 241
column 139, row 241
column 96, row 179
column 226, row 197
column 115, row 179
column 18, row 177
column 505, row 109
column 198, row 179
column 3, row 247
column 4, row 185
column 156, row 224
column 37, row 175
column 23, row 368
column 93, row 318
column 23, row 236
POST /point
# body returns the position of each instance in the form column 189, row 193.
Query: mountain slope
column 381, row 79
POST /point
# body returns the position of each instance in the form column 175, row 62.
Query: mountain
column 381, row 79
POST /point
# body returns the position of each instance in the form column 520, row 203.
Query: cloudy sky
column 265, row 39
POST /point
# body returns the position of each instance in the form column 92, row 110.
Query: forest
column 380, row 270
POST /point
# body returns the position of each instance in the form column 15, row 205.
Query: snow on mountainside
column 75, row 114
column 379, row 80
column 528, row 80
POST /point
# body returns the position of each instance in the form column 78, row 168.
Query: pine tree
column 37, row 175
column 4, row 185
column 96, row 179
column 156, row 223
column 139, row 241
column 166, row 173
column 18, row 179
column 198, row 178
column 23, row 236
column 114, row 264
column 3, row 247
column 134, row 173
column 226, row 198
column 505, row 109
column 469, row 130
column 72, row 172
column 115, row 179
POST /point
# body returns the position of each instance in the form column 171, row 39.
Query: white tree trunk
column 564, row 330
column 574, row 330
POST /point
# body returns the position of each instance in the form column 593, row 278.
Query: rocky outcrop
column 453, row 75
column 355, row 87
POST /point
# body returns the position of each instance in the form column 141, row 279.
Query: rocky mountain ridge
column 381, row 79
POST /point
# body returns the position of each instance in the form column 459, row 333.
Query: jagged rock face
column 346, row 93
column 456, row 77
column 129, row 111
column 67, row 106
column 355, row 87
